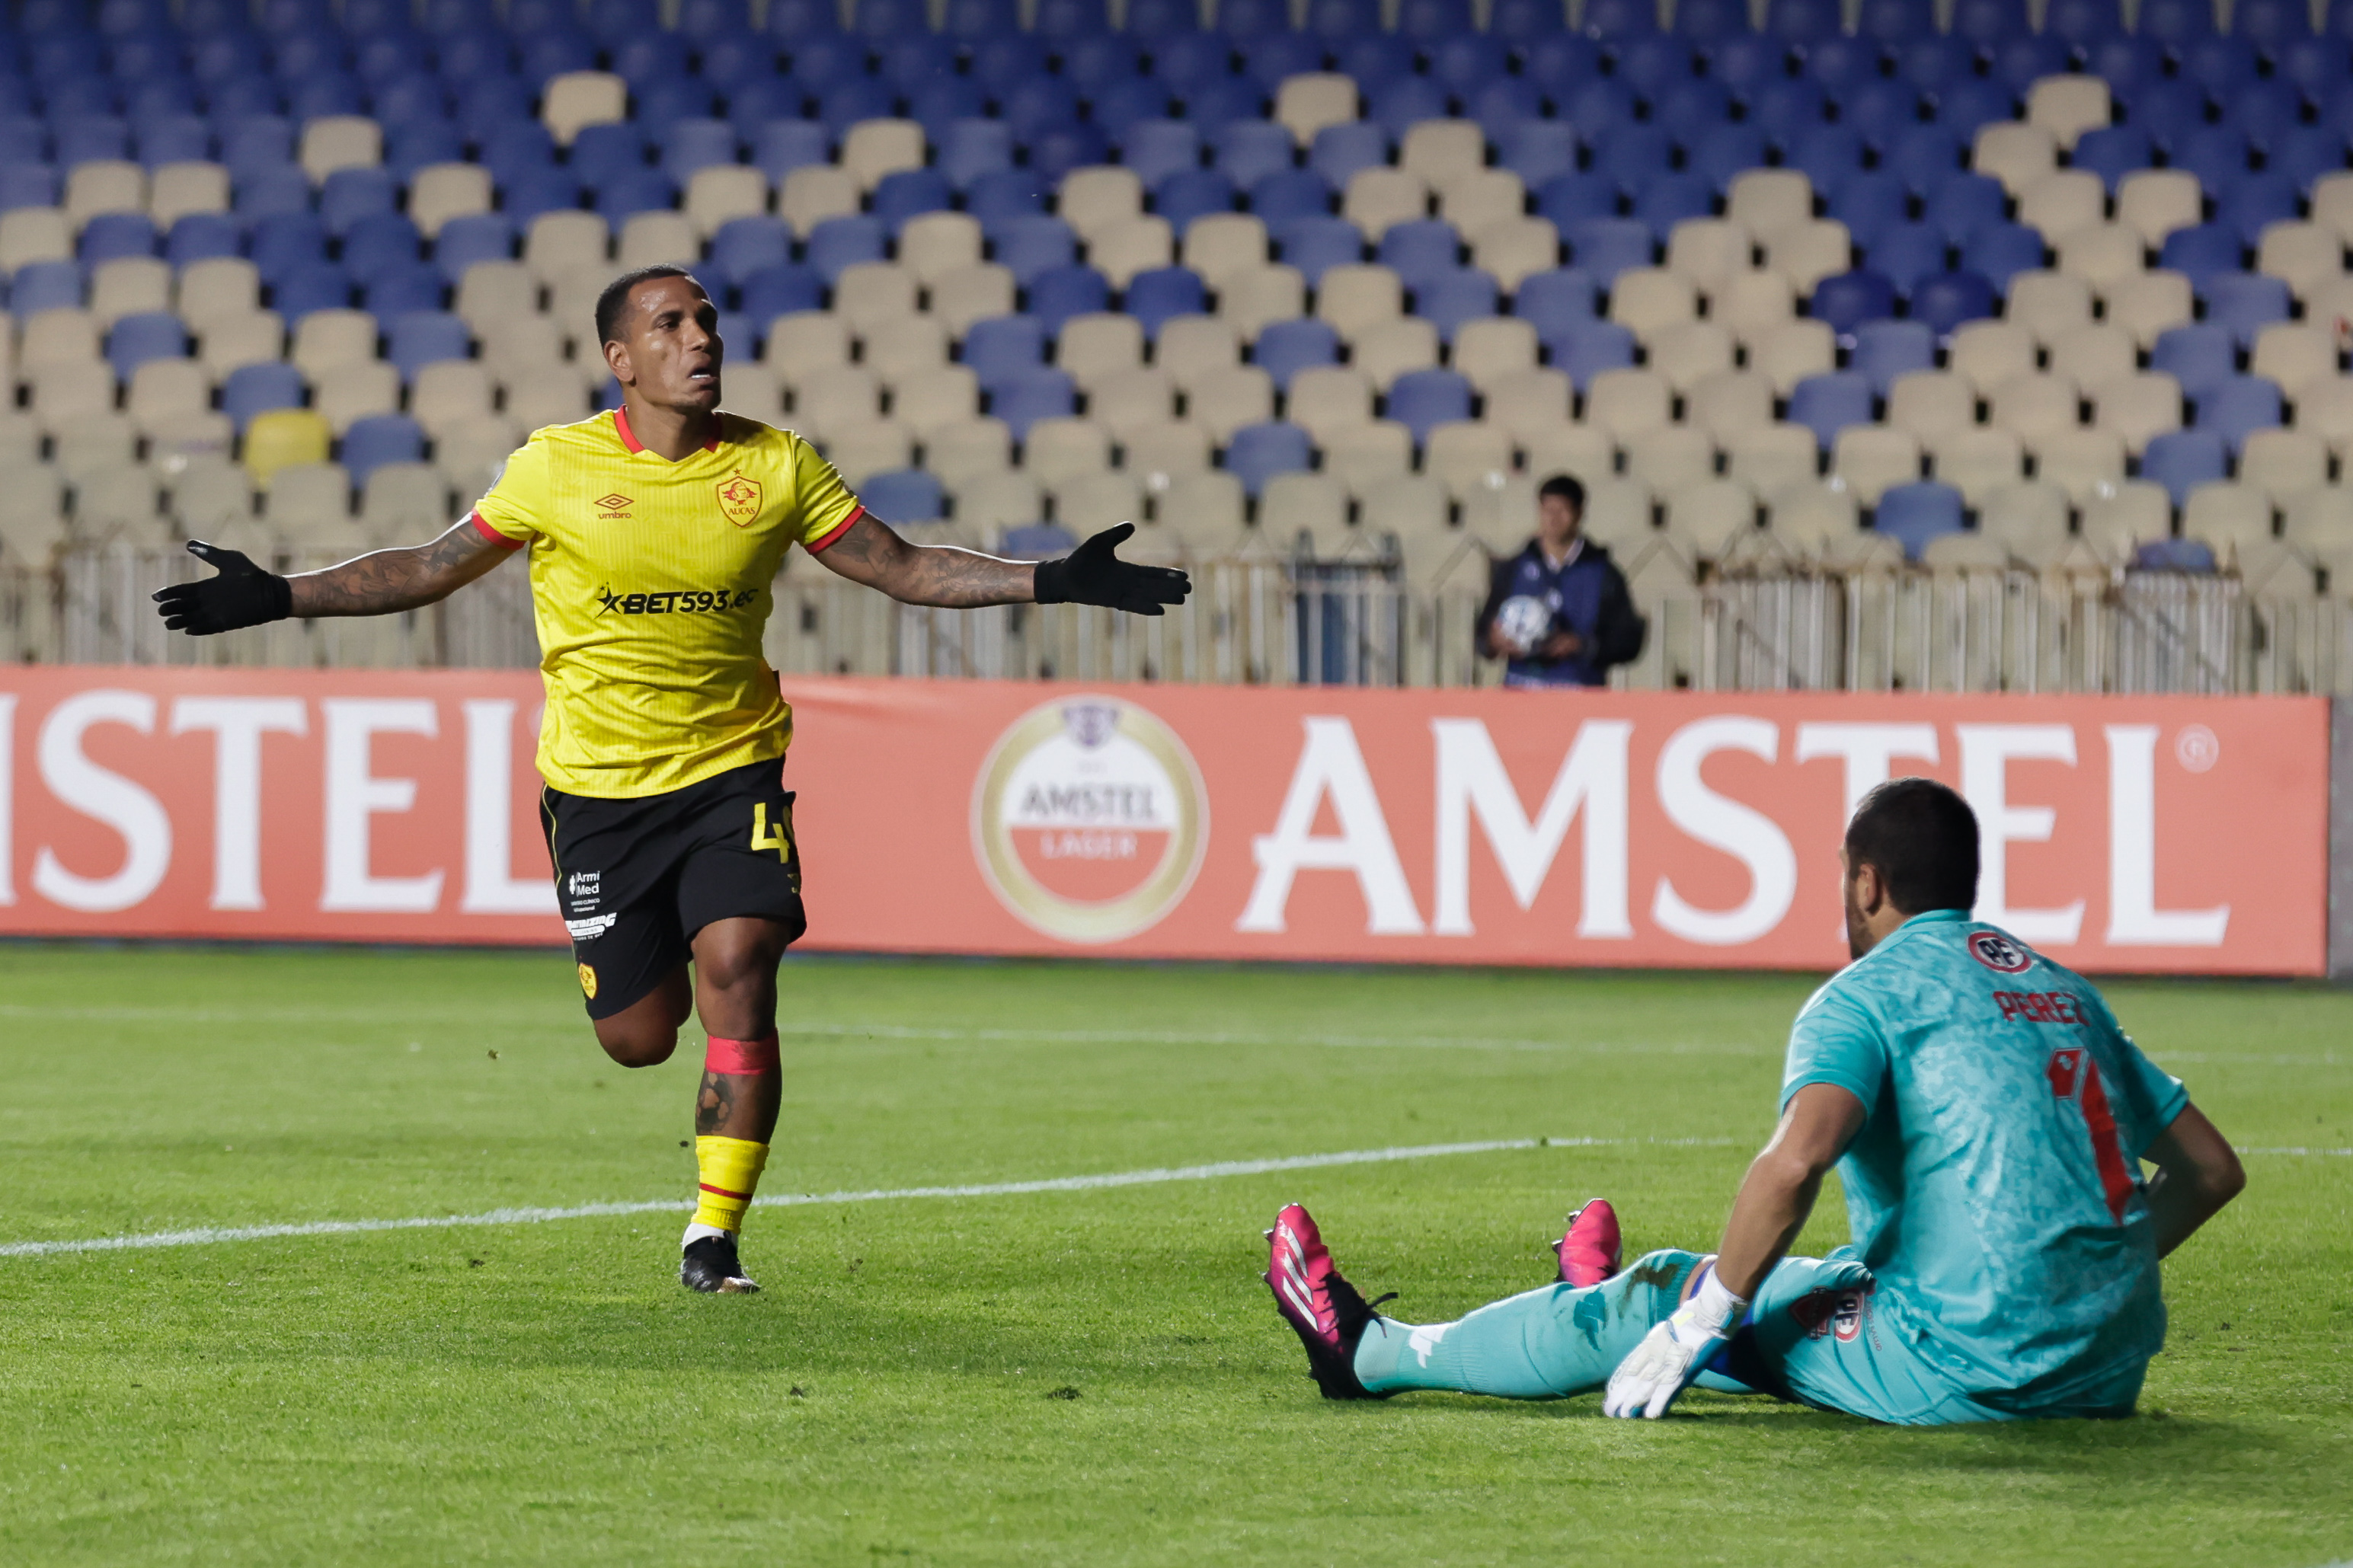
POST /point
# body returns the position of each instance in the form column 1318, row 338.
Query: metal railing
column 1775, row 625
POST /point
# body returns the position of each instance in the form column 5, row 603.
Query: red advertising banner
column 1573, row 828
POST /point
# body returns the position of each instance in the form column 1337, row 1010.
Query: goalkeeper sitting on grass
column 1988, row 1121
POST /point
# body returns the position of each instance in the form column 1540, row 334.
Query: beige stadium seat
column 968, row 448
column 2302, row 255
column 354, row 142
column 2029, row 520
column 1256, row 297
column 1441, row 151
column 2014, row 152
column 2083, row 464
column 558, row 242
column 902, row 348
column 1086, row 503
column 1667, row 456
column 723, row 192
column 1323, row 400
column 491, row 291
column 547, row 397
column 2067, row 106
column 1363, row 458
column 2088, row 355
column 1806, row 253
column 814, row 193
column 2102, row 254
column 1772, row 457
column 1064, row 447
column 1768, row 201
column 1136, row 398
column 1203, row 509
column 2063, row 201
column 2320, row 522
column 1358, row 296
column 1513, row 249
column 1389, row 350
column 1925, row 404
column 2029, row 406
column 1974, row 461
column 532, row 345
column 934, row 245
column 2153, row 203
column 870, row 292
column 34, row 234
column 1223, row 401
column 750, row 389
column 2295, row 354
column 1728, row 401
column 2138, row 511
column 1966, row 553
column 309, row 503
column 105, row 442
column 206, row 493
column 1626, row 403
column 2138, row 407
column 571, row 299
column 2149, row 304
column 995, row 500
column 128, row 286
column 1984, row 353
column 1158, row 454
column 1093, row 199
column 1306, row 104
column 1578, row 450
column 651, row 239
column 1870, row 459
column 59, row 337
column 1139, row 243
column 329, row 340
column 860, row 451
column 1487, row 350
column 1791, row 352
column 216, row 287
column 946, row 396
column 179, row 189
column 2227, row 516
column 834, row 398
column 1465, row 455
column 1192, row 347
column 2048, row 303
column 2283, row 463
column 2331, row 306
column 1812, row 517
column 970, row 294
column 2325, row 410
column 402, row 501
column 578, row 99
column 1710, row 251
column 163, row 392
column 68, row 397
column 2332, row 204
column 1414, row 511
column 1752, row 304
column 1099, row 344
column 1472, row 201
column 350, row 392
column 1646, row 300
column 118, row 504
column 107, row 185
column 230, row 342
column 1714, row 515
column 874, row 148
column 1380, row 196
column 436, row 192
column 1620, row 513
column 1309, row 509
column 1526, row 403
column 1689, row 352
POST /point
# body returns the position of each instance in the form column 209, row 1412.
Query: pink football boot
column 1326, row 1311
column 1590, row 1250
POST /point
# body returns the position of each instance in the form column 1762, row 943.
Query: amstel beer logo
column 1088, row 819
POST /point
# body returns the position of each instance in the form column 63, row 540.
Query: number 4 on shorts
column 768, row 835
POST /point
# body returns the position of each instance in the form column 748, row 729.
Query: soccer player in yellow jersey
column 654, row 534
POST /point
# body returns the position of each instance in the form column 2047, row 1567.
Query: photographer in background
column 1558, row 611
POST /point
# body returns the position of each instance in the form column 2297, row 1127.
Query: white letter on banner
column 1870, row 750
column 1329, row 763
column 354, row 796
column 491, row 886
column 7, row 798
column 238, row 724
column 1472, row 781
column 105, row 797
column 1746, row 834
column 1985, row 753
column 2133, row 919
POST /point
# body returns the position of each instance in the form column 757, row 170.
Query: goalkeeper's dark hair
column 1923, row 838
column 1567, row 488
column 613, row 302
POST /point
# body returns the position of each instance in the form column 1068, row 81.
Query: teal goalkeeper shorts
column 1815, row 1338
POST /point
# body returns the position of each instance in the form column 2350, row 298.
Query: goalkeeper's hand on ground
column 1092, row 574
column 242, row 595
column 1676, row 1351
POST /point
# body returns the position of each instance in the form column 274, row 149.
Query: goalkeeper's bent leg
column 1545, row 1344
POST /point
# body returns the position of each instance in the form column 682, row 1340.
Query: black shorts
column 637, row 879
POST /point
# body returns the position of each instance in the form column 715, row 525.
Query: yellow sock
column 729, row 1171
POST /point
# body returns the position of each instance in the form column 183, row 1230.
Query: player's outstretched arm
column 950, row 578
column 246, row 594
column 2197, row 1173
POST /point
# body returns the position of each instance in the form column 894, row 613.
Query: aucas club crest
column 739, row 500
column 1088, row 819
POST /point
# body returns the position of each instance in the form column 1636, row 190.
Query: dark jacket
column 1587, row 596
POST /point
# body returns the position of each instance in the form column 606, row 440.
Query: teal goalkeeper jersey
column 1993, row 1189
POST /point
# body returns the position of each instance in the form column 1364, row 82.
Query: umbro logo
column 613, row 505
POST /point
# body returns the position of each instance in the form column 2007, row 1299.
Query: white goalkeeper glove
column 1675, row 1353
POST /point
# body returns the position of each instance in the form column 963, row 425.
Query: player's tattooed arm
column 387, row 581
column 714, row 1105
column 870, row 553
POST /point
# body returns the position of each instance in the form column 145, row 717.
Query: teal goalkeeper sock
column 1545, row 1344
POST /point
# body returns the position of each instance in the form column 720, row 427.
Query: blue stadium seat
column 1538, row 151
column 2237, row 406
column 1028, row 244
column 1466, row 62
column 1121, row 104
column 2270, row 25
column 1192, row 193
column 691, row 144
column 1688, row 103
column 111, row 236
column 1893, row 21
column 1315, row 243
column 1072, row 19
column 919, row 62
column 415, row 338
column 1603, row 248
column 2252, row 202
column 969, row 149
column 2170, row 112
column 1965, row 206
column 173, row 139
column 601, row 153
column 780, row 146
column 2176, row 23
column 1249, row 150
column 1843, row 64
column 1420, row 249
column 379, row 439
column 45, row 286
column 86, row 138
column 1825, row 153
column 999, row 198
column 1220, row 102
column 527, row 196
column 903, row 495
column 2305, row 154
column 2083, row 22
column 287, row 240
column 2129, row 65
column 1568, row 200
column 200, row 237
column 1026, row 397
column 744, row 245
column 1185, row 59
column 1154, row 296
column 1286, row 348
column 311, row 286
column 1787, row 109
column 347, row 195
column 269, row 193
column 1944, row 303
column 2201, row 355
column 1558, row 62
column 2113, row 152
column 1288, row 196
column 1581, row 350
column 1259, row 452
column 1749, row 62
column 2316, row 66
column 1158, row 148
column 1805, row 21
column 1974, row 101
column 2019, row 62
column 378, row 242
column 1704, row 21
column 1422, row 400
column 1915, row 514
column 843, row 102
column 1340, row 151
column 2201, row 253
column 1450, row 299
column 1924, row 157
column 979, row 18
column 27, row 186
column 1056, row 153
column 256, row 389
column 2245, row 303
column 1846, row 299
column 1906, row 255
column 1039, row 104
column 1004, row 346
column 910, row 193
column 1998, row 252
column 1885, row 350
column 1552, row 301
column 401, row 289
column 840, row 243
column 409, row 148
column 2217, row 154
column 1629, row 152
column 475, row 237
column 1161, row 19
column 1880, row 112
column 1249, row 19
column 1059, row 293
column 2181, row 460
column 1523, row 22
column 1092, row 58
column 1334, row 21
column 1619, row 18
column 1829, row 403
column 779, row 289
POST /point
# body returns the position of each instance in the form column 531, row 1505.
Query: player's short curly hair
column 1923, row 838
column 1566, row 488
column 613, row 302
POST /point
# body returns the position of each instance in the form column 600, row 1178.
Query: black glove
column 242, row 595
column 1092, row 574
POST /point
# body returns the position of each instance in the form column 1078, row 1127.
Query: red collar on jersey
column 629, row 439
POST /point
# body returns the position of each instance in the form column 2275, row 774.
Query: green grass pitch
column 1081, row 1377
